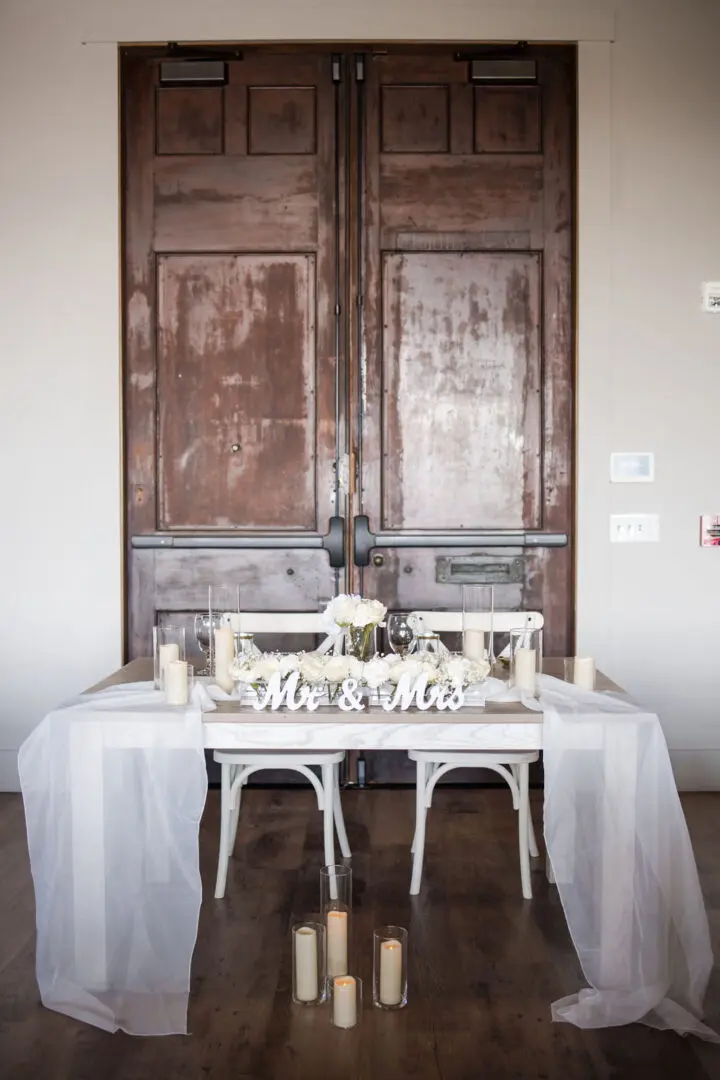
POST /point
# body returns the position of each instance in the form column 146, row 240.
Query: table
column 496, row 726
column 614, row 830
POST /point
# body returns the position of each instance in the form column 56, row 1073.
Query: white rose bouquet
column 358, row 618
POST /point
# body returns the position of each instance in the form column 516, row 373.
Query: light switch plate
column 711, row 297
column 634, row 528
column 632, row 468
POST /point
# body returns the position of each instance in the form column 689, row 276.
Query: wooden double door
column 348, row 312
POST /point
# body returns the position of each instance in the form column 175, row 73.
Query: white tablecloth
column 126, row 826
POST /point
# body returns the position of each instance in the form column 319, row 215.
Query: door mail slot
column 478, row 570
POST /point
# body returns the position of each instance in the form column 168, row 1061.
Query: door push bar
column 364, row 540
column 333, row 541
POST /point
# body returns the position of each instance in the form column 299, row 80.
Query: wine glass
column 400, row 633
column 205, row 626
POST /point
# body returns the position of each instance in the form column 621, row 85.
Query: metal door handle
column 333, row 541
column 364, row 540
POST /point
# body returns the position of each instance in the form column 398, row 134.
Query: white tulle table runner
column 614, row 830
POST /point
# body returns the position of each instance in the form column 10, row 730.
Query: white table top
column 493, row 727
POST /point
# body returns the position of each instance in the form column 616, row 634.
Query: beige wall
column 649, row 361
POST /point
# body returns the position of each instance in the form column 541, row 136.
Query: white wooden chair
column 512, row 766
column 238, row 765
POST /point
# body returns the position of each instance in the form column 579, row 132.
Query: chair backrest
column 282, row 622
column 451, row 622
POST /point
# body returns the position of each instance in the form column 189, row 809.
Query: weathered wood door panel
column 467, row 332
column 231, row 249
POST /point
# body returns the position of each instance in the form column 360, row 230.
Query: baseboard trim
column 9, row 778
column 696, row 770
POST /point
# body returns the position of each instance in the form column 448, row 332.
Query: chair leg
column 524, row 832
column 221, row 879
column 328, row 780
column 339, row 819
column 534, row 851
column 234, row 816
column 419, row 840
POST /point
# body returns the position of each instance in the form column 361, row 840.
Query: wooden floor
column 485, row 964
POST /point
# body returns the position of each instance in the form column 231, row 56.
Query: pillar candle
column 391, row 963
column 474, row 644
column 224, row 656
column 176, row 681
column 306, row 964
column 337, row 935
column 166, row 655
column 525, row 669
column 344, row 1002
column 584, row 672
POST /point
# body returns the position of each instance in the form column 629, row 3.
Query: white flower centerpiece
column 358, row 619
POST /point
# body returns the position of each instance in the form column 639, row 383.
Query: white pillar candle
column 525, row 669
column 176, row 682
column 306, row 964
column 166, row 655
column 337, row 935
column 584, row 672
column 391, row 963
column 474, row 644
column 344, row 1002
column 224, row 656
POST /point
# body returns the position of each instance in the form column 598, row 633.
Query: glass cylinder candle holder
column 580, row 670
column 179, row 682
column 223, row 612
column 477, row 624
column 168, row 644
column 345, row 1001
column 308, row 963
column 525, row 658
column 390, row 967
column 336, row 906
column 426, row 642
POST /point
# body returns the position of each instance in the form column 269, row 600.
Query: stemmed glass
column 205, row 627
column 400, row 633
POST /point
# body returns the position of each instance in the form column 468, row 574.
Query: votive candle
column 306, row 964
column 524, row 669
column 391, row 966
column 166, row 655
column 176, row 680
column 584, row 672
column 337, row 937
column 344, row 1001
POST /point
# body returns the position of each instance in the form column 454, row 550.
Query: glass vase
column 360, row 642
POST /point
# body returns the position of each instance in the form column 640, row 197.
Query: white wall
column 649, row 361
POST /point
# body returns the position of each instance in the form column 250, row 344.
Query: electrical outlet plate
column 632, row 468
column 634, row 528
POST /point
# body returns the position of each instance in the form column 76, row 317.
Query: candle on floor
column 474, row 644
column 344, row 1002
column 176, row 682
column 166, row 655
column 224, row 656
column 337, row 935
column 391, row 964
column 306, row 964
column 524, row 669
column 584, row 672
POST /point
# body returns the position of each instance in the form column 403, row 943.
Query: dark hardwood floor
column 485, row 965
